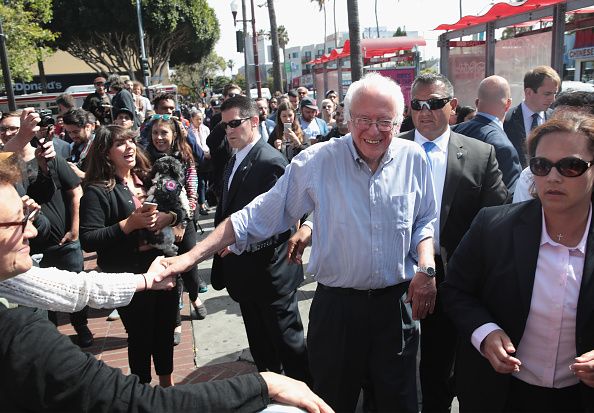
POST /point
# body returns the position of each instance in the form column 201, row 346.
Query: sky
column 305, row 23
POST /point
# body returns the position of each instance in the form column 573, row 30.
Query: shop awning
column 498, row 11
column 373, row 48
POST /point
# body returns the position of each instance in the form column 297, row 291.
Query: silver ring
column 426, row 304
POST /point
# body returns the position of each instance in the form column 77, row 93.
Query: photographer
column 61, row 249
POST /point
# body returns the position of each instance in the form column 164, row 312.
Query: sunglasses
column 29, row 217
column 100, row 84
column 327, row 107
column 164, row 117
column 569, row 167
column 233, row 123
column 431, row 104
column 232, row 95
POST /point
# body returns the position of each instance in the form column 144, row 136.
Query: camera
column 47, row 118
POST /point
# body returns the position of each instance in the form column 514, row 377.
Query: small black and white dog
column 169, row 193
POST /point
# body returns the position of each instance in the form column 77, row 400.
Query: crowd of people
column 462, row 240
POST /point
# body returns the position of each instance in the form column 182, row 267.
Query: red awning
column 373, row 48
column 498, row 11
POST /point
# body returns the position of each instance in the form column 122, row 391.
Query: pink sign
column 403, row 76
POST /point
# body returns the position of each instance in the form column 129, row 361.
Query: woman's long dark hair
column 278, row 131
column 180, row 147
column 101, row 170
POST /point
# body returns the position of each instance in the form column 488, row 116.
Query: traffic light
column 240, row 41
column 145, row 67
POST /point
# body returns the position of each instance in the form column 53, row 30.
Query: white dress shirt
column 523, row 185
column 439, row 166
column 239, row 157
column 527, row 113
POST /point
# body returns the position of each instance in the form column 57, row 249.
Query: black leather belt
column 275, row 241
column 369, row 293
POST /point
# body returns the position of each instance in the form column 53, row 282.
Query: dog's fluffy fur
column 168, row 192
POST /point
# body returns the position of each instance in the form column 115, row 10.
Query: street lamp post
column 254, row 42
column 6, row 71
column 143, row 59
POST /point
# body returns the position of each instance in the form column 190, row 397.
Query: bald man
column 494, row 100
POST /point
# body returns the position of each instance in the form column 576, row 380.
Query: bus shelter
column 332, row 70
column 466, row 63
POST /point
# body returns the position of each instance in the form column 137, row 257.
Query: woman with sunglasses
column 520, row 286
column 44, row 371
column 328, row 109
column 112, row 220
column 287, row 139
column 168, row 137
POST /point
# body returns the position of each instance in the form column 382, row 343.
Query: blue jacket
column 488, row 131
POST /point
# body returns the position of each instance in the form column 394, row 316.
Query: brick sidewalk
column 110, row 346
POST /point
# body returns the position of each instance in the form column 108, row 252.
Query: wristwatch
column 428, row 271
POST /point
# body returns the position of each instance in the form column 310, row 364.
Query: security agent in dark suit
column 541, row 85
column 494, row 100
column 524, row 309
column 260, row 279
column 466, row 178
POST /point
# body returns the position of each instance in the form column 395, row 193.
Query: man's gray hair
column 379, row 84
column 116, row 82
column 428, row 79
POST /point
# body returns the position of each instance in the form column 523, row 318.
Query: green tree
column 283, row 41
column 26, row 39
column 322, row 6
column 276, row 68
column 193, row 75
column 105, row 35
column 399, row 32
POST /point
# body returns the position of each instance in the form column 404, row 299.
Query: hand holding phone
column 149, row 207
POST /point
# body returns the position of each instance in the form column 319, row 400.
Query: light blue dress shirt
column 367, row 225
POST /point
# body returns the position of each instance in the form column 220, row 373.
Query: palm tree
column 276, row 69
column 335, row 31
column 376, row 22
column 283, row 41
column 322, row 5
column 230, row 65
column 355, row 40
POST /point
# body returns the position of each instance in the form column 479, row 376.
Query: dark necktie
column 226, row 177
column 428, row 146
column 534, row 124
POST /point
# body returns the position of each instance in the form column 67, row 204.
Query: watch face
column 431, row 271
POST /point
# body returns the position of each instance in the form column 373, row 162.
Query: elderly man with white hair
column 372, row 251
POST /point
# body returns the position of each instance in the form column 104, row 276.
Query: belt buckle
column 370, row 292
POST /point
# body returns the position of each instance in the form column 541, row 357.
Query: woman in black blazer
column 520, row 286
column 112, row 221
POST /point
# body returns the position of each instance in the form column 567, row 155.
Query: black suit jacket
column 473, row 180
column 490, row 279
column 263, row 273
column 514, row 128
column 486, row 130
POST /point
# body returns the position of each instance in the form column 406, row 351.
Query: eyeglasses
column 9, row 128
column 164, row 117
column 569, row 167
column 431, row 104
column 233, row 123
column 382, row 125
column 29, row 217
column 100, row 84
